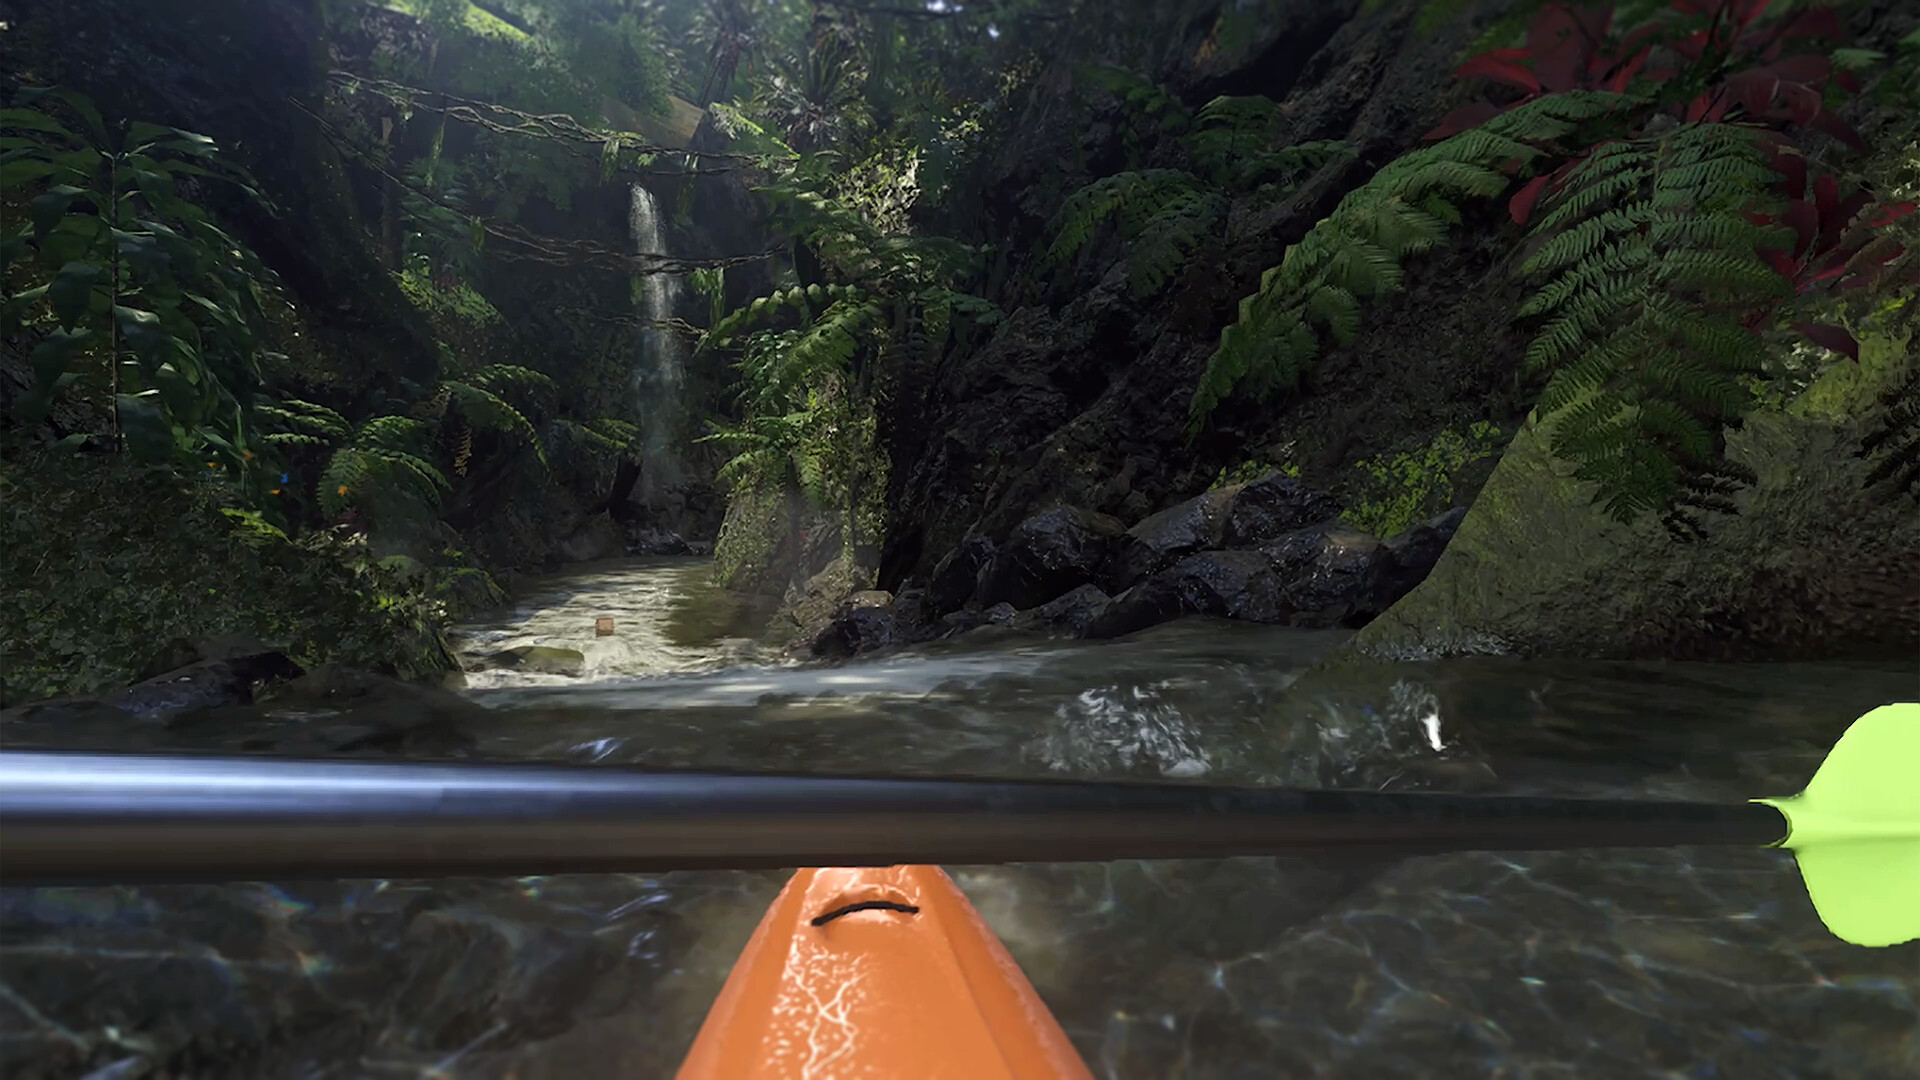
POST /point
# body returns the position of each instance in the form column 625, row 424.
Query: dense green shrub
column 102, row 561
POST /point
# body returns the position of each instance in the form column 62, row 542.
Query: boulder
column 206, row 684
column 1410, row 556
column 1819, row 562
column 547, row 659
column 858, row 630
column 1229, row 584
column 1162, row 539
column 1271, row 506
column 1049, row 554
column 816, row 603
column 999, row 615
column 1330, row 574
column 347, row 710
column 656, row 541
column 957, row 576
column 1071, row 613
column 598, row 537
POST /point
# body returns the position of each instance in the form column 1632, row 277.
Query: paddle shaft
column 76, row 818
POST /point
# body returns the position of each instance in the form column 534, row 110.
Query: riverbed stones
column 1227, row 584
column 215, row 682
column 1049, row 554
column 1410, row 556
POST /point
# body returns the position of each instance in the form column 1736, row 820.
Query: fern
column 385, row 471
column 303, row 420
column 1643, row 286
column 763, row 310
column 1356, row 251
column 482, row 408
column 786, row 367
column 1164, row 215
column 1894, row 445
column 1136, row 197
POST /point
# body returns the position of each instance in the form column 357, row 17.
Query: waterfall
column 659, row 371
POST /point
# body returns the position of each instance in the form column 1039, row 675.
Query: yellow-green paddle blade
column 1855, row 830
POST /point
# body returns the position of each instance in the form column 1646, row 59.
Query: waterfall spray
column 659, row 372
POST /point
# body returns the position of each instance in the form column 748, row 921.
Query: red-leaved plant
column 1712, row 61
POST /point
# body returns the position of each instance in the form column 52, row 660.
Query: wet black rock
column 866, row 622
column 1070, row 614
column 1410, row 556
column 346, row 710
column 1271, row 506
column 597, row 536
column 218, row 673
column 1229, row 584
column 957, row 576
column 1330, row 571
column 658, row 542
column 546, row 659
column 1049, row 554
column 1161, row 539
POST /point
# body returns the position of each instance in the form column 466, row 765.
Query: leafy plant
column 1164, row 215
column 811, row 355
column 1653, row 166
column 90, row 586
column 392, row 471
column 129, row 289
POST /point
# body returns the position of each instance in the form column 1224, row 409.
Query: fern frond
column 482, row 408
column 502, row 377
column 1648, row 255
column 1136, row 197
column 1404, row 209
column 292, row 414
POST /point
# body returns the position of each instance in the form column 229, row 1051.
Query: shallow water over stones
column 1634, row 963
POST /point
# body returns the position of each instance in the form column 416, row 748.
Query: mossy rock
column 1815, row 564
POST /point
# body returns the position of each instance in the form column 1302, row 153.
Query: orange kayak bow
column 878, row 973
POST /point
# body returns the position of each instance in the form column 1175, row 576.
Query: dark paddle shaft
column 72, row 818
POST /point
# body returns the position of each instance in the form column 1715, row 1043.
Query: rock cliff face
column 1080, row 397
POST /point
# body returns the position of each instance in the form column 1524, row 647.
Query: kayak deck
column 878, row 972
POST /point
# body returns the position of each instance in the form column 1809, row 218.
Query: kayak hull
column 877, row 972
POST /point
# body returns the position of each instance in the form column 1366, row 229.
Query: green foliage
column 1355, row 252
column 393, row 470
column 102, row 559
column 1403, row 489
column 1164, row 215
column 1649, row 260
column 129, row 292
column 810, row 355
column 453, row 299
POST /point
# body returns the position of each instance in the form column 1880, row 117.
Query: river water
column 1694, row 963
